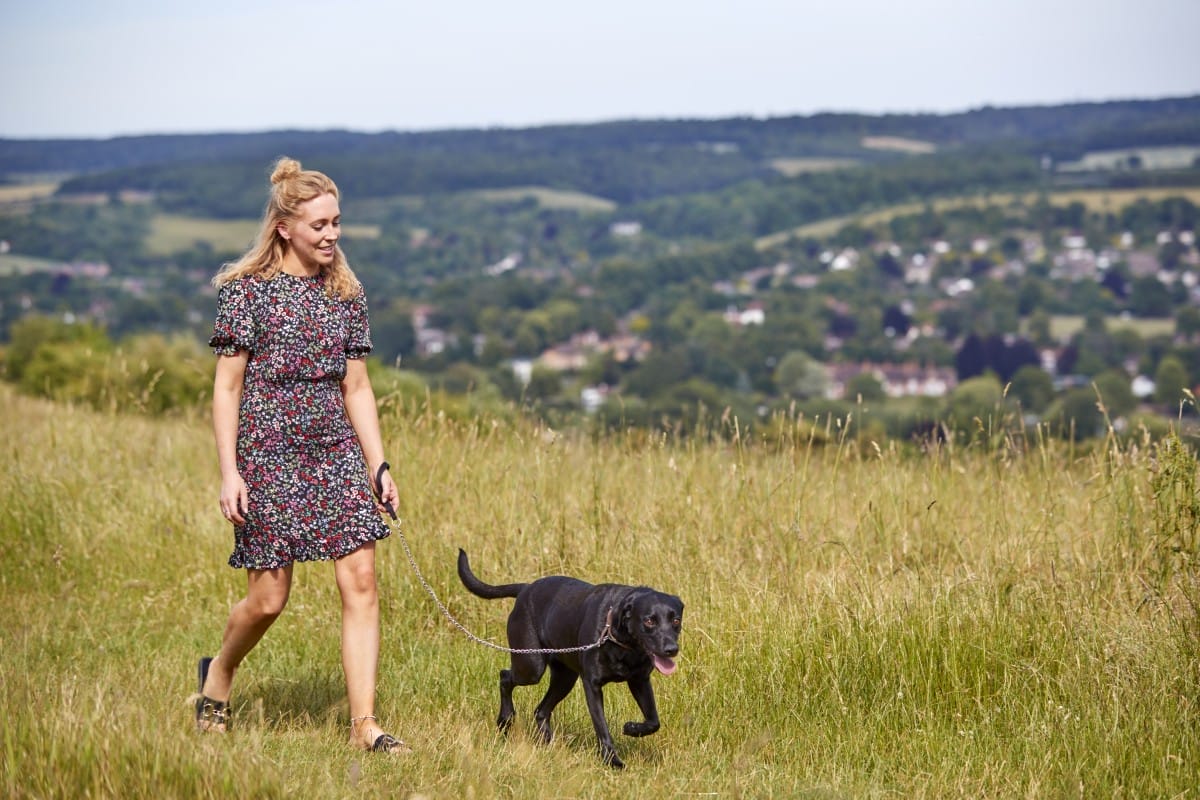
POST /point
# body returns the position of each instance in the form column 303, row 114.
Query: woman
column 298, row 438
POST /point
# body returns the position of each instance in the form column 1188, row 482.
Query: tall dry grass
column 998, row 621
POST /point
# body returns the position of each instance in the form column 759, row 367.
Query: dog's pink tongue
column 664, row 665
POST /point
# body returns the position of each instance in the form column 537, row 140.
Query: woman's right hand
column 235, row 499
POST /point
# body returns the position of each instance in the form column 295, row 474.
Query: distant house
column 506, row 264
column 432, row 341
column 569, row 357
column 919, row 269
column 753, row 314
column 592, row 397
column 1074, row 264
column 898, row 380
column 1074, row 241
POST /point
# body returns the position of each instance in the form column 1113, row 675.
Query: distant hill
column 623, row 161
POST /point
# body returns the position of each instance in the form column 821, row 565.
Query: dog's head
column 653, row 621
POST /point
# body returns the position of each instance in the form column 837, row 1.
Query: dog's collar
column 607, row 634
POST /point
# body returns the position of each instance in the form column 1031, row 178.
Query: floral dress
column 310, row 496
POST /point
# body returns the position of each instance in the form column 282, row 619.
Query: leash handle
column 384, row 467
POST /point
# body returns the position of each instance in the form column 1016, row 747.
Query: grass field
column 13, row 264
column 1099, row 200
column 985, row 621
column 792, row 167
column 25, row 192
column 548, row 198
column 1064, row 326
column 170, row 233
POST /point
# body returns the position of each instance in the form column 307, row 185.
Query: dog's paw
column 639, row 728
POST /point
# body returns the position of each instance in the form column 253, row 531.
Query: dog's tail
column 478, row 587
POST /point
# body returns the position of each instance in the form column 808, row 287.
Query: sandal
column 210, row 713
column 384, row 742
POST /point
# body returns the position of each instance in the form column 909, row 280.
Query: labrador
column 638, row 627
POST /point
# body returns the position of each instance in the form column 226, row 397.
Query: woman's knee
column 358, row 582
column 268, row 606
column 356, row 573
column 267, row 592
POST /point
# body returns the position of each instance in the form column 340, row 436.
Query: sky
column 104, row 68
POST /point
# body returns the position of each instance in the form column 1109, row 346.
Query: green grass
column 21, row 193
column 13, row 264
column 1096, row 200
column 1064, row 326
column 979, row 622
column 170, row 233
column 547, row 198
column 791, row 167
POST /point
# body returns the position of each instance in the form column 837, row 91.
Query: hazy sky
column 98, row 68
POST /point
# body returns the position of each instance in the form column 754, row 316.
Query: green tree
column 1115, row 392
column 1170, row 379
column 801, row 376
column 543, row 383
column 866, row 386
column 1148, row 297
column 981, row 398
column 1039, row 328
column 1032, row 387
column 29, row 334
column 1077, row 414
column 1187, row 321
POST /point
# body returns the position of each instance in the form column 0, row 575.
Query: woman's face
column 313, row 233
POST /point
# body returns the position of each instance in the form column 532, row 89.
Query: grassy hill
column 1007, row 619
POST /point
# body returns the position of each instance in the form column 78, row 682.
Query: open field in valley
column 170, row 233
column 1064, row 326
column 1100, row 200
column 1010, row 618
column 548, row 198
column 791, row 167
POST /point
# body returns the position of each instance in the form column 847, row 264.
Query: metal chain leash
column 605, row 635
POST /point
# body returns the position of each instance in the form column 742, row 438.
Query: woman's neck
column 295, row 267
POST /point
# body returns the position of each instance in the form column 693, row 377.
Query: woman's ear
column 282, row 230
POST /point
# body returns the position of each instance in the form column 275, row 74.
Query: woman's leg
column 360, row 639
column 266, row 595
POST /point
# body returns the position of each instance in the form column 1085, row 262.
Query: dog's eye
column 677, row 622
column 649, row 622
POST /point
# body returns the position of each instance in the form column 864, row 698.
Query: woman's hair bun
column 285, row 168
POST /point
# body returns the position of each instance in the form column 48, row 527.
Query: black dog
column 639, row 626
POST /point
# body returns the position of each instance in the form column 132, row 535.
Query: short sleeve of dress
column 234, row 327
column 358, row 341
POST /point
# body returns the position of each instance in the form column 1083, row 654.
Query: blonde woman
column 298, row 439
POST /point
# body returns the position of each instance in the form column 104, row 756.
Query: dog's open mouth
column 663, row 664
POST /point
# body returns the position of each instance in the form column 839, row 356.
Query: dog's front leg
column 595, row 704
column 643, row 693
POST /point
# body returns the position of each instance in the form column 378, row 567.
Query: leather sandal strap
column 386, row 743
column 212, row 711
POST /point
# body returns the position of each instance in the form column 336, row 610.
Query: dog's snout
column 671, row 650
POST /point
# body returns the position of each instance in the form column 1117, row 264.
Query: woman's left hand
column 389, row 495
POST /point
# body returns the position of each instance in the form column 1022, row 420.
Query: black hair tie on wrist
column 379, row 489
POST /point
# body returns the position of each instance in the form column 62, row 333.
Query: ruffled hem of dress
column 241, row 563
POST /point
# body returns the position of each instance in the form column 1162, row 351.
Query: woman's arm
column 227, row 397
column 359, row 398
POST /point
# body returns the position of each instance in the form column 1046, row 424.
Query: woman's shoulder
column 242, row 283
column 244, row 290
